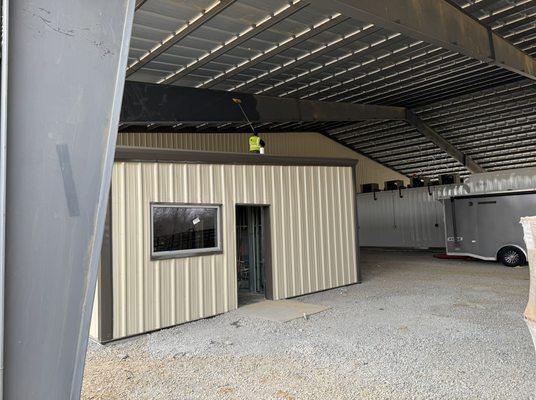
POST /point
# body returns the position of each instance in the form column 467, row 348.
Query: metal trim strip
column 144, row 154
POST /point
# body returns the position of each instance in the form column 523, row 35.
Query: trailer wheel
column 511, row 256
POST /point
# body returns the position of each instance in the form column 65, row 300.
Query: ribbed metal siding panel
column 308, row 144
column 313, row 243
column 391, row 221
column 410, row 221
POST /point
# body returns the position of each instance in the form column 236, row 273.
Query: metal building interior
column 299, row 50
column 422, row 87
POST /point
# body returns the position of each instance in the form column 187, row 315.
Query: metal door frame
column 266, row 242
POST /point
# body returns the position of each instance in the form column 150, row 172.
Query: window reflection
column 184, row 228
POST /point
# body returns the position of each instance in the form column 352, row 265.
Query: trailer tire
column 511, row 256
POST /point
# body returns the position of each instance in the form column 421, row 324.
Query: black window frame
column 175, row 254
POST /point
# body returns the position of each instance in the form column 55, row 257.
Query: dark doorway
column 253, row 253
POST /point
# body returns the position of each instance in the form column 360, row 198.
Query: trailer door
column 466, row 219
column 461, row 226
column 490, row 225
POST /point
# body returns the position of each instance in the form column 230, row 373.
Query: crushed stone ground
column 417, row 328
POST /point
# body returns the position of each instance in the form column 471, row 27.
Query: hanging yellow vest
column 254, row 144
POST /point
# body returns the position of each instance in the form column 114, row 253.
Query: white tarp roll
column 529, row 229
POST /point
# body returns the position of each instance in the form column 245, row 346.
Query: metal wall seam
column 345, row 273
column 291, row 249
column 320, row 240
column 327, row 230
column 314, row 204
column 356, row 273
column 306, row 229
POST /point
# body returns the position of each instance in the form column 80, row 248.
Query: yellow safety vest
column 254, row 144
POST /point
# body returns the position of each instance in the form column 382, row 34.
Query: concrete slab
column 281, row 310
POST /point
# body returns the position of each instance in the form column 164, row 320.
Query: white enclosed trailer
column 487, row 226
column 413, row 218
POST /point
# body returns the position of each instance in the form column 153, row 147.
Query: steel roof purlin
column 179, row 34
column 250, row 32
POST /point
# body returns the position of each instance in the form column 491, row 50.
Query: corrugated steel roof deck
column 290, row 48
column 513, row 20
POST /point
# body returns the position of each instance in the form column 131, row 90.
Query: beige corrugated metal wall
column 312, row 232
column 309, row 144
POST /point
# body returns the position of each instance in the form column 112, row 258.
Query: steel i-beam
column 63, row 91
column 441, row 23
column 149, row 103
column 443, row 143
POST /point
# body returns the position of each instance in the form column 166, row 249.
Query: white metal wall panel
column 410, row 221
column 313, row 237
column 308, row 144
column 391, row 221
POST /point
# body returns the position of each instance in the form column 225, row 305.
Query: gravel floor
column 417, row 328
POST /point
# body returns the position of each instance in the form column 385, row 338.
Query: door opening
column 253, row 253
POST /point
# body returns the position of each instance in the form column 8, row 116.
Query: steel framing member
column 178, row 35
column 147, row 103
column 442, row 143
column 57, row 181
column 439, row 23
column 288, row 10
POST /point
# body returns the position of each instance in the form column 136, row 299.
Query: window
column 184, row 230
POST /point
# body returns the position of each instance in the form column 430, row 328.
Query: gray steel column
column 67, row 61
column 3, row 137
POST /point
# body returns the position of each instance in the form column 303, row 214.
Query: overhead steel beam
column 147, row 103
column 178, row 35
column 153, row 104
column 440, row 23
column 442, row 143
column 63, row 90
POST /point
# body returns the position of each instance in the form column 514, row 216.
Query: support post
column 67, row 61
column 3, row 163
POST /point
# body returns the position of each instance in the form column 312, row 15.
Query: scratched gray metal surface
column 61, row 127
